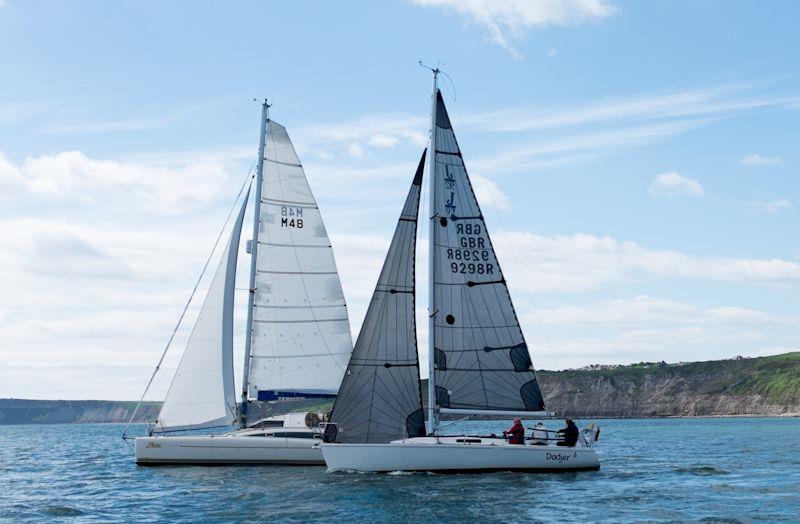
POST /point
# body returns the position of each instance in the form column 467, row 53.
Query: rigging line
column 508, row 240
column 189, row 301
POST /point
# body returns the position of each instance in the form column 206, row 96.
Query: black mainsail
column 379, row 399
column 481, row 359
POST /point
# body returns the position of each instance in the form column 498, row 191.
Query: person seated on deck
column 516, row 435
column 539, row 435
column 569, row 434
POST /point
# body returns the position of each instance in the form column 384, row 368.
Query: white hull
column 457, row 454
column 227, row 449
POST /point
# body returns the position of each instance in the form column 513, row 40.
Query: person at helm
column 516, row 434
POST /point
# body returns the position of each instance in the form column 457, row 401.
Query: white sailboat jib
column 301, row 339
column 202, row 392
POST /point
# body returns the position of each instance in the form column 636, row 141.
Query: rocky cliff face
column 758, row 386
column 20, row 411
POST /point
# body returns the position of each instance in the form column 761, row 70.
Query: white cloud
column 102, row 252
column 570, row 148
column 673, row 185
column 767, row 207
column 508, row 20
column 552, row 52
column 11, row 180
column 673, row 344
column 652, row 344
column 99, row 255
column 488, row 192
column 72, row 178
column 355, row 150
column 384, row 141
column 584, row 262
column 721, row 100
column 758, row 160
column 646, row 311
column 608, row 125
column 381, row 130
column 617, row 123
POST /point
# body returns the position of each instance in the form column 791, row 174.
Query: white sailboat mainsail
column 300, row 329
column 202, row 393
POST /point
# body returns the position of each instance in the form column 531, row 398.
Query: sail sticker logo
column 292, row 217
column 152, row 444
column 450, row 183
column 559, row 457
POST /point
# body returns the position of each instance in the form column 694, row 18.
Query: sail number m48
column 292, row 217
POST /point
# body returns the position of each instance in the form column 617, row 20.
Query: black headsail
column 481, row 359
column 379, row 399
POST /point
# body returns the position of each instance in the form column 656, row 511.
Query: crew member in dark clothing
column 516, row 435
column 569, row 434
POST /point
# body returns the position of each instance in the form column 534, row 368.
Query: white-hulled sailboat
column 297, row 337
column 479, row 363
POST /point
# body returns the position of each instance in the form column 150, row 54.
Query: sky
column 637, row 164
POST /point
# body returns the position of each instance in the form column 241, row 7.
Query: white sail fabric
column 202, row 392
column 301, row 333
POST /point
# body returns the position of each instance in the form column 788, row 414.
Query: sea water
column 655, row 469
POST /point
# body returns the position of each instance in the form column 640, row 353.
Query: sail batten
column 300, row 337
column 380, row 399
column 481, row 360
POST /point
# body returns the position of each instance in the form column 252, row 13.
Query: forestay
column 301, row 334
column 379, row 399
column 202, row 393
column 481, row 359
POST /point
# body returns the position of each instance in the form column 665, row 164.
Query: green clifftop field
column 748, row 386
column 738, row 387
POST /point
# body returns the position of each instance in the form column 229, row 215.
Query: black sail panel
column 482, row 359
column 379, row 399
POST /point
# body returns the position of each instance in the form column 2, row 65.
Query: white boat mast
column 253, row 261
column 431, row 422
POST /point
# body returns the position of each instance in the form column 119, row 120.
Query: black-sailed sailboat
column 479, row 363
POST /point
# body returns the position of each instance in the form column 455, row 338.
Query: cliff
column 22, row 411
column 753, row 386
column 739, row 387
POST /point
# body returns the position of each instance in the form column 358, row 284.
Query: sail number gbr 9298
column 471, row 256
column 292, row 217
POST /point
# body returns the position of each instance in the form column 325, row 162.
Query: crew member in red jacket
column 516, row 435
